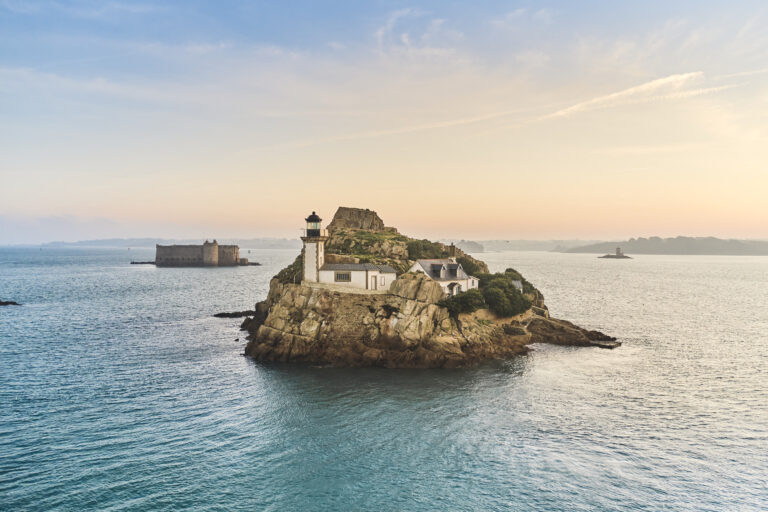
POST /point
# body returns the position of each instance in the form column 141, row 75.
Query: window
column 381, row 281
column 342, row 277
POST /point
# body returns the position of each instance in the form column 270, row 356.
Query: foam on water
column 119, row 391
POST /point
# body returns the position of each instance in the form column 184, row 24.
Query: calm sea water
column 120, row 391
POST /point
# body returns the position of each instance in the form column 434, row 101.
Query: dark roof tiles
column 384, row 269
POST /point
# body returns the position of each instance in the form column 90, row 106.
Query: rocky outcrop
column 404, row 328
column 236, row 314
column 9, row 303
column 561, row 332
column 356, row 218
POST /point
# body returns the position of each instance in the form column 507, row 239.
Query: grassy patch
column 292, row 273
column 424, row 249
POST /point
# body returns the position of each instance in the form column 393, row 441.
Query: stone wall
column 229, row 255
column 178, row 255
column 209, row 254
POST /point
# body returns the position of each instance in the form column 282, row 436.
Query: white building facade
column 448, row 273
column 366, row 276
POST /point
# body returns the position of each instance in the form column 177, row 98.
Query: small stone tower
column 314, row 248
column 211, row 253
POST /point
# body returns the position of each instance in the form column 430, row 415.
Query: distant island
column 466, row 245
column 681, row 245
column 618, row 255
column 478, row 246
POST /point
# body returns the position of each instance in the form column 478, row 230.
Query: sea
column 119, row 390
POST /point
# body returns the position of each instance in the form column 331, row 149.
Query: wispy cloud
column 517, row 16
column 451, row 123
column 385, row 31
column 648, row 150
column 753, row 72
column 667, row 88
column 544, row 15
column 508, row 18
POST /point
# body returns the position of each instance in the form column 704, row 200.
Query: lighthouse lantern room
column 314, row 247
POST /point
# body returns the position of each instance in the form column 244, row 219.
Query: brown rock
column 356, row 218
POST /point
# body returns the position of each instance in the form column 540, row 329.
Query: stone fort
column 209, row 254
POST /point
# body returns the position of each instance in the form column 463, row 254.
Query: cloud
column 649, row 150
column 670, row 87
column 753, row 72
column 508, row 18
column 544, row 16
column 512, row 18
column 385, row 31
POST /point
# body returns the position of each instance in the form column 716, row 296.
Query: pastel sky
column 483, row 119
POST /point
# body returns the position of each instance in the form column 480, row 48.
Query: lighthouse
column 314, row 248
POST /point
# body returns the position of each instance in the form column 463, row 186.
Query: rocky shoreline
column 401, row 329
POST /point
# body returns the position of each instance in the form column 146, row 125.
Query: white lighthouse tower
column 314, row 248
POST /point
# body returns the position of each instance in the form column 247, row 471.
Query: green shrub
column 469, row 266
column 292, row 273
column 502, row 296
column 424, row 249
column 467, row 302
column 497, row 301
column 527, row 287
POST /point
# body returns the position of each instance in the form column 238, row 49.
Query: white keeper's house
column 448, row 272
column 365, row 276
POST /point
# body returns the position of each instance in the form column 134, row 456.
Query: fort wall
column 178, row 255
column 209, row 254
column 229, row 255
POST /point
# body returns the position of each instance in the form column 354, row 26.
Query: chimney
column 452, row 251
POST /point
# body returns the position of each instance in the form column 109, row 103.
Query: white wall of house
column 310, row 262
column 466, row 284
column 359, row 279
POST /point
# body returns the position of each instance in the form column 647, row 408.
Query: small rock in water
column 9, row 303
column 236, row 314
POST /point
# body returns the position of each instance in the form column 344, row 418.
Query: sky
column 477, row 120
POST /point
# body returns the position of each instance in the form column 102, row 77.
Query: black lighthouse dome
column 313, row 225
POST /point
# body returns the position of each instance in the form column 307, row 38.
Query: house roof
column 384, row 269
column 453, row 270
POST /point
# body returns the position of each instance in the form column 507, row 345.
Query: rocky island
column 340, row 304
column 618, row 255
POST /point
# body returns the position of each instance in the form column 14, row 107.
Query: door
column 373, row 282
